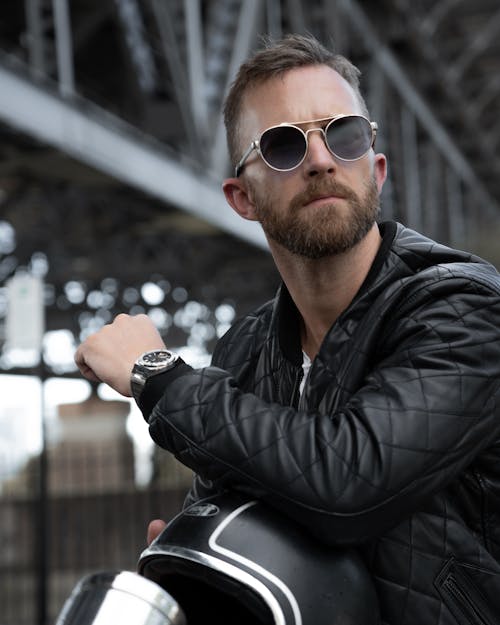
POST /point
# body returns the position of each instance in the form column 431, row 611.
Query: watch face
column 157, row 358
column 150, row 364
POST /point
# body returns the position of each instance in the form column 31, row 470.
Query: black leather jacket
column 395, row 443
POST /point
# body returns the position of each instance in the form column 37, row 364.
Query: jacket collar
column 286, row 317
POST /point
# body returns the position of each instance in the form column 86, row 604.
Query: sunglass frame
column 255, row 145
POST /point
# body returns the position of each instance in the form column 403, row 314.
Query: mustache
column 321, row 188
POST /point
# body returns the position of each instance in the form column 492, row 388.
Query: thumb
column 155, row 528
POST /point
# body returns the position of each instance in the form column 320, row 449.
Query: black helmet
column 230, row 559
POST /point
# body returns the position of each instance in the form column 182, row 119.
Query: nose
column 319, row 159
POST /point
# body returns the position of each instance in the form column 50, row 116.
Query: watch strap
column 155, row 387
column 150, row 364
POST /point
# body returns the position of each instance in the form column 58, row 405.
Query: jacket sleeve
column 424, row 411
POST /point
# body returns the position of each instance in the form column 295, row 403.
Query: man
column 363, row 401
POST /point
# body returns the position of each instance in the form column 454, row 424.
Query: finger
column 89, row 374
column 155, row 528
column 85, row 370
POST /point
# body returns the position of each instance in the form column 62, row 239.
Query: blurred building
column 93, row 429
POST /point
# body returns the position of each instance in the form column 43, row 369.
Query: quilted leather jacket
column 394, row 445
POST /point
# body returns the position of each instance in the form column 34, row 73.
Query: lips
column 320, row 191
column 325, row 196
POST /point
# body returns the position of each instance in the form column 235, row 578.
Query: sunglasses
column 284, row 147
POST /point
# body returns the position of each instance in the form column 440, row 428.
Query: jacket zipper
column 469, row 609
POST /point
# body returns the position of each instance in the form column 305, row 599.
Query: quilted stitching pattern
column 396, row 446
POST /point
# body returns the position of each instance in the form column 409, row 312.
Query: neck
column 322, row 289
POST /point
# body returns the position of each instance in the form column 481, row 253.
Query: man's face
column 325, row 206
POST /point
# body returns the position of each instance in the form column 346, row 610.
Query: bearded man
column 363, row 401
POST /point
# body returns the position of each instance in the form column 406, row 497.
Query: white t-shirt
column 306, row 365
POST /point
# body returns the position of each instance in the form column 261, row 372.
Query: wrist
column 148, row 365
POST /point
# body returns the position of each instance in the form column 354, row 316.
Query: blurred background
column 112, row 151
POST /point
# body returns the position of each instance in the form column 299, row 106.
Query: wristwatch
column 150, row 364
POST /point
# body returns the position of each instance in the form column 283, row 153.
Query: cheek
column 360, row 173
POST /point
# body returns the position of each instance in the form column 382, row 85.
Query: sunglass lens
column 283, row 147
column 350, row 137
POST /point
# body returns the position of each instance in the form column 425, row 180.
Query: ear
column 380, row 170
column 239, row 198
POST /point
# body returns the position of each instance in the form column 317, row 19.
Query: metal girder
column 274, row 19
column 102, row 141
column 34, row 38
column 438, row 14
column 414, row 101
column 245, row 37
column 64, row 47
column 299, row 21
column 413, row 199
column 196, row 71
column 462, row 94
column 172, row 54
column 477, row 46
column 139, row 47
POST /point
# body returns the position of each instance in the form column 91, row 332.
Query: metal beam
column 196, row 73
column 479, row 44
column 171, row 51
column 411, row 169
column 274, row 19
column 104, row 142
column 138, row 46
column 407, row 92
column 34, row 39
column 64, row 47
column 249, row 16
column 437, row 14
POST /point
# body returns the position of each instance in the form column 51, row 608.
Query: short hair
column 275, row 59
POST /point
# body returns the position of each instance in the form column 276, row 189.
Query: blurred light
column 104, row 315
column 152, row 294
column 160, row 318
column 39, row 265
column 58, row 351
column 193, row 309
column 75, row 291
column 202, row 332
column 110, row 285
column 194, row 355
column 84, row 318
column 92, row 326
column 98, row 299
column 204, row 313
column 7, row 238
column 130, row 296
column 3, row 302
column 16, row 357
column 222, row 328
column 137, row 310
column 49, row 294
column 165, row 286
column 225, row 313
column 179, row 294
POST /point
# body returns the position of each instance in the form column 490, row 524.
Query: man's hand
column 109, row 354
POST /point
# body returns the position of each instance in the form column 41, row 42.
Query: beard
column 326, row 230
